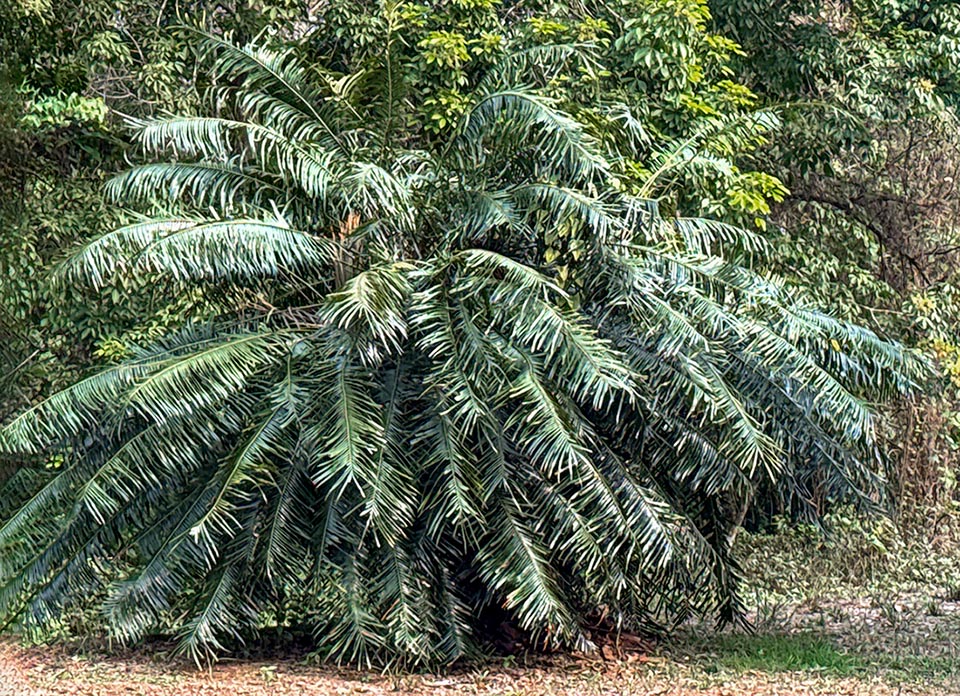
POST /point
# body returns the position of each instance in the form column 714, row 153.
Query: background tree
column 867, row 93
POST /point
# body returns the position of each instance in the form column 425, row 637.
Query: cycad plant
column 470, row 382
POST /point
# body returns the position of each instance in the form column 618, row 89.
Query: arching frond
column 534, row 121
column 186, row 249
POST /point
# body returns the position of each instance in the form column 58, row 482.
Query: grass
column 807, row 651
column 776, row 653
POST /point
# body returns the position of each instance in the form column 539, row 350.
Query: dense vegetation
column 399, row 323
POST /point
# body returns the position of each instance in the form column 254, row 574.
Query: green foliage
column 866, row 92
column 63, row 67
column 60, row 112
column 405, row 410
column 848, row 558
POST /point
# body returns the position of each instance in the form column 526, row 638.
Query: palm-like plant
column 416, row 424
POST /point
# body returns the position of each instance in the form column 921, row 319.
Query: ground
column 865, row 613
column 862, row 647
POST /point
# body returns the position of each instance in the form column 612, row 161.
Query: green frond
column 278, row 74
column 309, row 166
column 533, row 122
column 347, row 429
column 548, row 434
column 516, row 564
column 539, row 64
column 372, row 304
column 194, row 250
column 136, row 605
column 563, row 204
column 222, row 610
column 484, row 211
column 227, row 186
column 393, row 502
column 287, row 538
column 453, row 494
column 354, row 634
column 70, row 412
column 251, row 468
column 206, row 376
